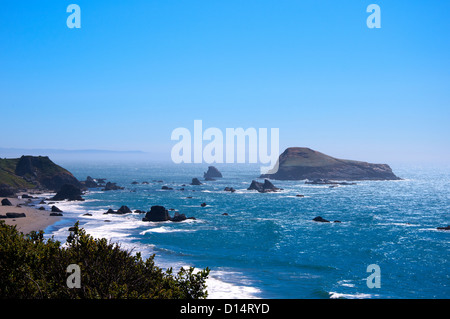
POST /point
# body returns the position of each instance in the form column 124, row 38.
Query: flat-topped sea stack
column 299, row 163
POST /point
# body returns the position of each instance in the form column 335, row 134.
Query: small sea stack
column 212, row 173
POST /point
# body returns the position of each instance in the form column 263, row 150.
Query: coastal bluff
column 299, row 163
column 33, row 172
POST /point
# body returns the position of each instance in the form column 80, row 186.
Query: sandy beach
column 35, row 219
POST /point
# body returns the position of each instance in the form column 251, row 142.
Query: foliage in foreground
column 31, row 267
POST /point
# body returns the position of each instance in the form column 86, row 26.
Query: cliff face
column 34, row 172
column 298, row 163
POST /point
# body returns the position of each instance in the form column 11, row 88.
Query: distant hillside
column 62, row 155
column 34, row 172
column 298, row 163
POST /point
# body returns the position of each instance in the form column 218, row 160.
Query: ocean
column 267, row 246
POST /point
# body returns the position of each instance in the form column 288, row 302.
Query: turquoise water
column 268, row 246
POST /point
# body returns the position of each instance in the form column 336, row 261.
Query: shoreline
column 34, row 220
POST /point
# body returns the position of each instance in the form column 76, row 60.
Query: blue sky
column 136, row 70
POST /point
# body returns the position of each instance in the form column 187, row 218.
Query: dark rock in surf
column 56, row 209
column 112, row 187
column 320, row 220
column 157, row 214
column 124, row 210
column 178, row 217
column 69, row 192
column 90, row 183
column 265, row 187
column 56, row 214
column 195, row 181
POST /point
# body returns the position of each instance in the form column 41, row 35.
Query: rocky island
column 299, row 163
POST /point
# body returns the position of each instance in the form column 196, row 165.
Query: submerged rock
column 444, row 228
column 229, row 189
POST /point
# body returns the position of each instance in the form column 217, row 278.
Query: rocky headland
column 33, row 172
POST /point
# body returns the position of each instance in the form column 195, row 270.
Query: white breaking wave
column 218, row 289
column 337, row 295
column 165, row 230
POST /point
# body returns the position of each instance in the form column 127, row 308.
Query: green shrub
column 32, row 267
